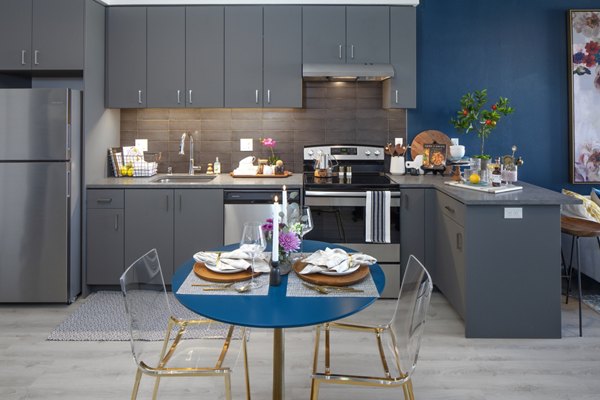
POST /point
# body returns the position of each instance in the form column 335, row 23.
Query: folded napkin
column 237, row 260
column 335, row 260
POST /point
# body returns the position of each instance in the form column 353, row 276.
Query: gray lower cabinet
column 41, row 34
column 367, row 34
column 401, row 90
column 166, row 44
column 282, row 59
column 198, row 222
column 324, row 34
column 149, row 224
column 204, row 56
column 126, row 57
column 412, row 225
column 105, row 237
column 243, row 56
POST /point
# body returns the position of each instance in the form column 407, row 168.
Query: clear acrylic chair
column 151, row 319
column 397, row 340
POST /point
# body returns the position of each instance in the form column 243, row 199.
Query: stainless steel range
column 337, row 195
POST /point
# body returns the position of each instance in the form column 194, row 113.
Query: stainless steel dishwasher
column 248, row 205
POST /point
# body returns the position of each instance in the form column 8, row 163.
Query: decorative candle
column 275, row 250
column 285, row 205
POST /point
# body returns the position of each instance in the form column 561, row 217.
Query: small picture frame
column 434, row 157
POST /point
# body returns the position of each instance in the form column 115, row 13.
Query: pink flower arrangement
column 270, row 144
column 288, row 239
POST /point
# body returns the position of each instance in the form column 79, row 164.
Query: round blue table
column 275, row 310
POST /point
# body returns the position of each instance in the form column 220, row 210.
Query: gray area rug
column 102, row 317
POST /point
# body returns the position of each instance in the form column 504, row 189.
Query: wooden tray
column 330, row 280
column 212, row 276
column 285, row 175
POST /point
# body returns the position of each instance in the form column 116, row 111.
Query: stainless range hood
column 347, row 72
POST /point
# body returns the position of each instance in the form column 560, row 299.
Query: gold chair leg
column 246, row 370
column 314, row 389
column 136, row 385
column 155, row 391
column 408, row 390
column 227, row 386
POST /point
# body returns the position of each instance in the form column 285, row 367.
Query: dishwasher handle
column 257, row 196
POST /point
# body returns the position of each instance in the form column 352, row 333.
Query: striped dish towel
column 377, row 217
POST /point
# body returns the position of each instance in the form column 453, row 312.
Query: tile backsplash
column 333, row 112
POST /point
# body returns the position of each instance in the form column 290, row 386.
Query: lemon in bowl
column 474, row 179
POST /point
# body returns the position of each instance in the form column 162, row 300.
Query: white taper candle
column 275, row 250
column 285, row 205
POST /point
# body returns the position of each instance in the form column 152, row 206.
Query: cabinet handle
column 167, row 198
column 104, row 200
column 178, row 96
column 340, row 51
column 116, row 222
column 139, row 96
column 459, row 241
column 35, row 57
column 397, row 96
column 256, row 94
column 352, row 51
column 22, row 57
column 180, row 201
column 450, row 209
column 269, row 96
column 190, row 96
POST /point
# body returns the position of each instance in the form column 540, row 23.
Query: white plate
column 227, row 271
column 335, row 273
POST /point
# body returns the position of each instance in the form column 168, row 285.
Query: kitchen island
column 496, row 257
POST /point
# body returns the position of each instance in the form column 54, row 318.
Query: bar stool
column 577, row 228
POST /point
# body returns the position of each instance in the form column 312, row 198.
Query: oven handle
column 314, row 193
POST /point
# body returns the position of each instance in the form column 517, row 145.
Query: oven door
column 339, row 217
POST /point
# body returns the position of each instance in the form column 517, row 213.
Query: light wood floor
column 450, row 366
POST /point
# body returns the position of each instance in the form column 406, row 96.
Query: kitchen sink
column 184, row 179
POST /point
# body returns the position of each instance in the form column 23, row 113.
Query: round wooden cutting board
column 332, row 280
column 427, row 137
column 212, row 276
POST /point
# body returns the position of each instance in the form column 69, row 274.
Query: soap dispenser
column 217, row 166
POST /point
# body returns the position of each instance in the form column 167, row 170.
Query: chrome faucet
column 192, row 168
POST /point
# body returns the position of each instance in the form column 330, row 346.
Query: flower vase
column 285, row 262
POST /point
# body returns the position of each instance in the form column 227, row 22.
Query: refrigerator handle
column 68, row 141
column 68, row 180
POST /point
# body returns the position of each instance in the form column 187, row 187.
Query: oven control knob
column 311, row 153
column 368, row 153
column 377, row 152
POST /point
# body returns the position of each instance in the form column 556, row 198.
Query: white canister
column 268, row 170
column 397, row 165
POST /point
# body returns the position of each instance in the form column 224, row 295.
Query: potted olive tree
column 472, row 116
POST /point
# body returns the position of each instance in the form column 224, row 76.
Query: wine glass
column 253, row 241
column 306, row 222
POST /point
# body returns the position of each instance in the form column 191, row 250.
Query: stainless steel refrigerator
column 40, row 206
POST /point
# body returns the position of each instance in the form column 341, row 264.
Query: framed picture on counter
column 584, row 95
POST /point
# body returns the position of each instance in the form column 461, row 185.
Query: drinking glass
column 253, row 241
column 307, row 225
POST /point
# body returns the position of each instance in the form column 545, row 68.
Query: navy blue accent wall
column 515, row 49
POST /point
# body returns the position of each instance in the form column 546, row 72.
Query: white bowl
column 457, row 152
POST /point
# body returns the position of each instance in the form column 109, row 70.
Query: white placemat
column 295, row 288
column 187, row 288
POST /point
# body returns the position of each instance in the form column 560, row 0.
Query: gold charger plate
column 212, row 276
column 332, row 280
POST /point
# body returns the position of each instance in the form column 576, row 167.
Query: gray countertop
column 530, row 195
column 220, row 181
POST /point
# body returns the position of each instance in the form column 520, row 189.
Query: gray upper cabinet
column 126, row 57
column 367, row 34
column 41, row 34
column 243, row 56
column 148, row 225
column 198, row 222
column 166, row 44
column 338, row 34
column 15, row 34
column 401, row 90
column 204, row 64
column 282, row 61
column 324, row 34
